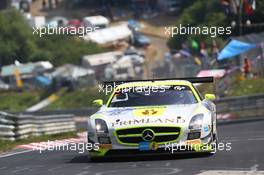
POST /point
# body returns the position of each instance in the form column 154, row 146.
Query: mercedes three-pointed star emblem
column 148, row 135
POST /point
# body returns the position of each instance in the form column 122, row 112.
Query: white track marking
column 16, row 153
column 231, row 172
column 43, row 145
column 141, row 171
column 83, row 173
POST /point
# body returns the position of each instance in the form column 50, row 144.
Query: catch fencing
column 13, row 127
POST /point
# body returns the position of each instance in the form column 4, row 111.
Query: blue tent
column 133, row 24
column 43, row 81
column 233, row 48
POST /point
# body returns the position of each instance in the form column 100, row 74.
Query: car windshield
column 153, row 96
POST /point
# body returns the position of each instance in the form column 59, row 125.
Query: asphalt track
column 247, row 154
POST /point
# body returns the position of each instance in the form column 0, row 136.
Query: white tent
column 109, row 35
column 69, row 70
column 96, row 21
column 100, row 59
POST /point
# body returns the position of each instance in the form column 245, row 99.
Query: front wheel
column 214, row 144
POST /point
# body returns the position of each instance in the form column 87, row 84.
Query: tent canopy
column 216, row 73
column 234, row 48
column 109, row 35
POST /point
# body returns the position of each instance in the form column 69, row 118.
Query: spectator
column 57, row 2
column 50, row 4
column 44, row 4
column 168, row 66
column 247, row 67
column 215, row 49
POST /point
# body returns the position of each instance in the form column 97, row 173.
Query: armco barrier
column 7, row 126
column 14, row 127
column 243, row 106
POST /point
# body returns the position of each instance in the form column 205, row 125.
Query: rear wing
column 191, row 79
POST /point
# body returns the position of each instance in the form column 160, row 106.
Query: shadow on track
column 125, row 158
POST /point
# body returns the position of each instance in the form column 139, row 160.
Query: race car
column 154, row 117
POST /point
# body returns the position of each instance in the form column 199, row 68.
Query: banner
column 234, row 48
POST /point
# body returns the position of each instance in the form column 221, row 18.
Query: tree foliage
column 200, row 13
column 211, row 13
column 17, row 42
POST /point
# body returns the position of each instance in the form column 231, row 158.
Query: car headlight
column 196, row 122
column 101, row 126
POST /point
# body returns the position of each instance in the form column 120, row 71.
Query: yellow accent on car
column 156, row 134
column 105, row 146
column 192, row 142
column 149, row 112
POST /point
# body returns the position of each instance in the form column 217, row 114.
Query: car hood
column 150, row 115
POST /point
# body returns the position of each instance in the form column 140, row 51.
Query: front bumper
column 170, row 149
column 183, row 144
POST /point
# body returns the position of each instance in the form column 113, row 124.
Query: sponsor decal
column 153, row 146
column 148, row 121
column 193, row 142
column 105, row 146
column 206, row 128
column 148, row 146
column 118, row 112
column 155, row 112
column 115, row 113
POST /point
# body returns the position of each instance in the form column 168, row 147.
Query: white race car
column 154, row 117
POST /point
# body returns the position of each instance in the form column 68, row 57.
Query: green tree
column 200, row 13
column 17, row 42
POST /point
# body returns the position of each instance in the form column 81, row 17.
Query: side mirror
column 210, row 97
column 98, row 103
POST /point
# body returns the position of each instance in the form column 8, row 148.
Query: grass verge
column 238, row 88
column 82, row 98
column 9, row 145
column 14, row 101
